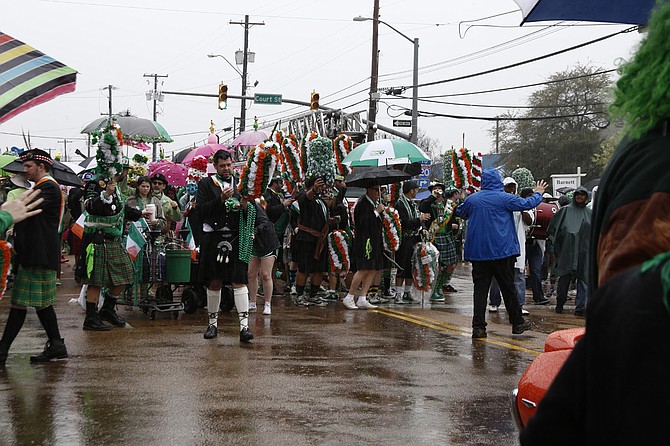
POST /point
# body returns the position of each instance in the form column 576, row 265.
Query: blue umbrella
column 634, row 12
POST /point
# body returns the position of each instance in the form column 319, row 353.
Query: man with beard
column 227, row 232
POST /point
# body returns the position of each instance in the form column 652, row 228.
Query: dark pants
column 534, row 257
column 503, row 271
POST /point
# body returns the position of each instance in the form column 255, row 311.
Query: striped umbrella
column 29, row 77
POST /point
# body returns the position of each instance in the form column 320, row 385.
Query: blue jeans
column 534, row 258
column 519, row 286
column 562, row 292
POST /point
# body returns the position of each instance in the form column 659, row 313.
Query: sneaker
column 252, row 307
column 398, row 299
column 524, row 311
column 520, row 328
column 559, row 309
column 450, row 289
column 478, row 333
column 316, row 301
column 407, row 298
column 437, row 298
column 267, row 309
column 331, row 296
column 363, row 303
column 54, row 349
column 389, row 294
column 543, row 301
column 493, row 308
column 374, row 299
column 349, row 302
column 294, row 291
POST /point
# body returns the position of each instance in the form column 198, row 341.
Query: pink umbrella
column 207, row 150
column 142, row 146
column 175, row 174
column 250, row 138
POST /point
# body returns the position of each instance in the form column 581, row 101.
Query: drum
column 543, row 214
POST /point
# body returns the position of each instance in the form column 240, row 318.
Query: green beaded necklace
column 247, row 232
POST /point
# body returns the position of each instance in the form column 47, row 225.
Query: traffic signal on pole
column 223, row 96
column 314, row 101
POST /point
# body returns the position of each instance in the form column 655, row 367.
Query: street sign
column 425, row 170
column 423, row 183
column 402, row 123
column 260, row 98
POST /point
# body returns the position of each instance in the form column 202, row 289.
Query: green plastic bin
column 178, row 265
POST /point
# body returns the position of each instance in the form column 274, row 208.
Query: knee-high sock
column 14, row 323
column 49, row 322
column 213, row 302
column 242, row 305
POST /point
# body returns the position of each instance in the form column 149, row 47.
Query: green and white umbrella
column 385, row 152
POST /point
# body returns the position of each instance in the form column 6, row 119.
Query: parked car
column 540, row 374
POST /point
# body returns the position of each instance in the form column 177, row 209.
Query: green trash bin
column 178, row 265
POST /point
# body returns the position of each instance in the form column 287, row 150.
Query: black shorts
column 210, row 268
column 304, row 255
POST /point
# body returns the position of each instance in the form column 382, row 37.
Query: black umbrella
column 591, row 184
column 179, row 156
column 59, row 171
column 376, row 176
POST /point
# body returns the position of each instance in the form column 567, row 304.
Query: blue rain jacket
column 491, row 234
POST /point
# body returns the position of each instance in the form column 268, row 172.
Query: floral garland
column 392, row 229
column 277, row 136
column 292, row 160
column 461, row 165
column 197, row 170
column 476, row 177
column 261, row 164
column 305, row 148
column 424, row 265
column 108, row 155
column 136, row 171
column 394, row 192
column 320, row 162
column 339, row 247
column 342, row 146
column 7, row 250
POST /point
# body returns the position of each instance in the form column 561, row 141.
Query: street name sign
column 260, row 98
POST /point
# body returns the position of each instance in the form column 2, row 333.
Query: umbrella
column 89, row 163
column 174, row 173
column 133, row 128
column 5, row 159
column 591, row 184
column 207, row 150
column 59, row 171
column 250, row 138
column 29, row 77
column 179, row 156
column 376, row 176
column 635, row 12
column 384, row 152
column 76, row 168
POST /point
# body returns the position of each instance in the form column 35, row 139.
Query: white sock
column 361, row 300
column 242, row 305
column 349, row 296
column 82, row 296
column 213, row 302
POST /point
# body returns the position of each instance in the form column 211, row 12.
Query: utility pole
column 372, row 110
column 110, row 88
column 155, row 99
column 65, row 141
column 247, row 25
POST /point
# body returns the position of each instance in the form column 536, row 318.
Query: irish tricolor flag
column 135, row 241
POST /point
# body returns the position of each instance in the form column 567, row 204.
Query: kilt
column 403, row 256
column 304, row 256
column 34, row 287
column 112, row 265
column 235, row 271
column 447, row 246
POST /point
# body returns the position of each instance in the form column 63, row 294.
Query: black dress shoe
column 54, row 349
column 559, row 309
column 581, row 312
column 245, row 335
column 478, row 333
column 450, row 289
column 211, row 332
column 94, row 324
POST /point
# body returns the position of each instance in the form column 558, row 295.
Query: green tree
column 602, row 157
column 563, row 129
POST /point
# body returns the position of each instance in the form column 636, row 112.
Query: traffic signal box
column 314, row 101
column 223, row 97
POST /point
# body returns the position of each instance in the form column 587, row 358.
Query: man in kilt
column 107, row 262
column 368, row 247
column 410, row 221
column 440, row 226
column 38, row 259
column 225, row 219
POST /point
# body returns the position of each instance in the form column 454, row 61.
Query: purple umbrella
column 207, row 150
column 174, row 173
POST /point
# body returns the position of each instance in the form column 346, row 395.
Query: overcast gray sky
column 303, row 46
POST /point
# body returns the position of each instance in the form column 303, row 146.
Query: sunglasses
column 158, row 183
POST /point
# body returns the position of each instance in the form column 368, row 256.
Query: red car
column 540, row 374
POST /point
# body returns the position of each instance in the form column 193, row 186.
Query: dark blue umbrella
column 634, row 12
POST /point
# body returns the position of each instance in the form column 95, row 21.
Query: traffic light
column 314, row 101
column 223, row 96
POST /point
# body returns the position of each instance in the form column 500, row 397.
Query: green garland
column 247, row 232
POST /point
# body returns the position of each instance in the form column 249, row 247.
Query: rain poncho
column 491, row 234
column 569, row 234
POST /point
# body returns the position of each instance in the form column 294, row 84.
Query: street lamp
column 415, row 76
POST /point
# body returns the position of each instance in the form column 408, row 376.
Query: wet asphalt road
column 395, row 376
